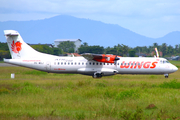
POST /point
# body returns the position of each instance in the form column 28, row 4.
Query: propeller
column 157, row 53
column 116, row 59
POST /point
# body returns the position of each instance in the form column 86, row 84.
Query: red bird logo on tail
column 16, row 47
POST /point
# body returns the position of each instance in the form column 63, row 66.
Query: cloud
column 146, row 8
column 136, row 15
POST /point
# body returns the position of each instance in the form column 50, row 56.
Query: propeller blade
column 116, row 58
column 157, row 53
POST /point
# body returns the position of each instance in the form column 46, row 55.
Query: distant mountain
column 90, row 31
column 172, row 38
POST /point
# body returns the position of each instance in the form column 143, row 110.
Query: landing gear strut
column 97, row 75
column 166, row 75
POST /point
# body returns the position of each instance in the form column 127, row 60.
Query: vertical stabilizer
column 18, row 48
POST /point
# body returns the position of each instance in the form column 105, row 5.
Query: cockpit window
column 167, row 61
column 164, row 61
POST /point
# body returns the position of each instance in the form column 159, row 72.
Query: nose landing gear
column 166, row 75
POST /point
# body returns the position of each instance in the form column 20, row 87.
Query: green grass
column 177, row 63
column 39, row 95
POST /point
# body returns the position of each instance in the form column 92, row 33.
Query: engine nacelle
column 106, row 58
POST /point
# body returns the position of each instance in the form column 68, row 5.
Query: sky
column 151, row 18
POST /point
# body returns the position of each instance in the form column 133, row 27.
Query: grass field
column 39, row 95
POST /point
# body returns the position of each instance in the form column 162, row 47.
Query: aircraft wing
column 90, row 56
column 100, row 57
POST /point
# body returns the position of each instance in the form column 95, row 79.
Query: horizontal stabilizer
column 11, row 33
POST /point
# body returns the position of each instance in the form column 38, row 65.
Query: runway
column 7, row 65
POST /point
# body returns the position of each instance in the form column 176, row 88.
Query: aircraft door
column 48, row 65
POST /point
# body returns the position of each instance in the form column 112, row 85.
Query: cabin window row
column 82, row 63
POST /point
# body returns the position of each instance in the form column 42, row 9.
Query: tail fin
column 18, row 48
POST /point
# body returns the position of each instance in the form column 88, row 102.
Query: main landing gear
column 97, row 75
column 166, row 75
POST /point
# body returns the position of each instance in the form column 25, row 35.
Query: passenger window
column 104, row 63
column 75, row 63
column 89, row 63
column 54, row 63
column 118, row 63
column 82, row 63
column 96, row 63
column 100, row 63
column 93, row 63
column 79, row 63
column 64, row 63
column 107, row 63
column 68, row 63
column 86, row 63
column 72, row 63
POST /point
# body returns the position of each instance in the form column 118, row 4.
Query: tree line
column 4, row 51
column 120, row 49
column 124, row 50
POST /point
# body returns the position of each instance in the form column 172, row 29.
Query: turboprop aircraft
column 95, row 65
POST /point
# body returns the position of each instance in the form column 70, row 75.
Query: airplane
column 95, row 65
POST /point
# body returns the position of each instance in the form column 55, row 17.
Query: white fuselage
column 126, row 65
column 24, row 55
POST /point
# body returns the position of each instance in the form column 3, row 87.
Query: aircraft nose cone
column 174, row 68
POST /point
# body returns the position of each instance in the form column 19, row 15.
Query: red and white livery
column 96, row 65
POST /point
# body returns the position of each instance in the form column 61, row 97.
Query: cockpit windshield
column 164, row 61
column 167, row 61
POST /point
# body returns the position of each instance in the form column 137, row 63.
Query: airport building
column 77, row 42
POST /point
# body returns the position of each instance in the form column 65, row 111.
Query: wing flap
column 90, row 56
